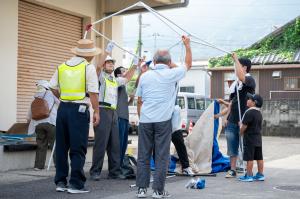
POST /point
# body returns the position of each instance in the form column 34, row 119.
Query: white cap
column 43, row 83
column 109, row 58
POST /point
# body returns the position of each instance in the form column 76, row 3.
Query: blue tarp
column 219, row 162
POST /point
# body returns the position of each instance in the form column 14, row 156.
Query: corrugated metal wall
column 217, row 84
column 45, row 37
column 266, row 83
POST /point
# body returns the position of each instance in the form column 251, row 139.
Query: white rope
column 157, row 16
column 211, row 46
column 117, row 45
column 175, row 44
column 119, row 12
column 188, row 33
column 240, row 116
column 110, row 16
column 181, row 56
column 157, row 13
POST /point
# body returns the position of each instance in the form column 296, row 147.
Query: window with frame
column 188, row 89
column 191, row 103
column 292, row 83
column 200, row 104
column 180, row 102
column 208, row 102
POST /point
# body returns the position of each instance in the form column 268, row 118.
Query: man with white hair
column 156, row 100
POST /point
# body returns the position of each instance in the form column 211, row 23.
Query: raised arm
column 103, row 56
column 239, row 68
column 221, row 101
column 222, row 113
column 188, row 52
column 144, row 69
column 129, row 74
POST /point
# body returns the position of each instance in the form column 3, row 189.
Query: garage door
column 45, row 37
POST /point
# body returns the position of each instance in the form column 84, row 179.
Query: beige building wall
column 117, row 35
column 9, row 47
column 8, row 66
column 90, row 10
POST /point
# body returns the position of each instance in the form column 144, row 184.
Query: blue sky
column 229, row 24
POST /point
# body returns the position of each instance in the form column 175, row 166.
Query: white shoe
column 164, row 194
column 73, row 190
column 61, row 187
column 142, row 193
column 188, row 171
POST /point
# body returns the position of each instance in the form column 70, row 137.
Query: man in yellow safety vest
column 107, row 132
column 75, row 82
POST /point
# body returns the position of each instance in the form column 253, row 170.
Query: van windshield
column 180, row 102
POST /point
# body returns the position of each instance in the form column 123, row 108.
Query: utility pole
column 155, row 35
column 140, row 35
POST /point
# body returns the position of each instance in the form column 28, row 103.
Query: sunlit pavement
column 282, row 171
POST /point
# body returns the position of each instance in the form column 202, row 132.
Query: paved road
column 282, row 157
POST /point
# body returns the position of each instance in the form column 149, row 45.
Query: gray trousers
column 106, row 139
column 45, row 136
column 151, row 135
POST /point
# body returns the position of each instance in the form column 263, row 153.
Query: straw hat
column 86, row 48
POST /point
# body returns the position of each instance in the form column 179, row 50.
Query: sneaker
column 116, row 177
column 141, row 192
column 95, row 177
column 188, row 171
column 246, row 178
column 157, row 194
column 231, row 174
column 61, row 187
column 73, row 190
column 259, row 177
column 37, row 169
column 239, row 170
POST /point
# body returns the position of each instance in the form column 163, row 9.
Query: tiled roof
column 275, row 59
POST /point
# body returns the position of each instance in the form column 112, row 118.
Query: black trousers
column 177, row 139
column 45, row 135
column 106, row 139
column 72, row 129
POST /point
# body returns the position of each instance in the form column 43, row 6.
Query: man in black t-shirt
column 246, row 84
column 251, row 129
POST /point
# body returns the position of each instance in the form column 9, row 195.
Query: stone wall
column 281, row 118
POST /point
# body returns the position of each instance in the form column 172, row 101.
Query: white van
column 192, row 106
column 133, row 117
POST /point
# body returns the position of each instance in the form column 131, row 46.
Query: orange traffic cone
column 191, row 126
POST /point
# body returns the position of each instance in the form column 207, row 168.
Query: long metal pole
column 51, row 156
column 140, row 35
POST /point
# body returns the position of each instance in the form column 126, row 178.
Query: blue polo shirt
column 157, row 90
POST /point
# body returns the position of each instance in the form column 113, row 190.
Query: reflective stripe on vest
column 111, row 93
column 72, row 81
